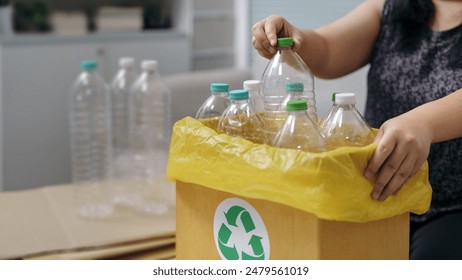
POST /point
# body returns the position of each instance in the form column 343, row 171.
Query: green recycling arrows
column 230, row 252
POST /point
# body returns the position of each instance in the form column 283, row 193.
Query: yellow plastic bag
column 329, row 185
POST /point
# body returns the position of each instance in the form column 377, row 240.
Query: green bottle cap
column 333, row 96
column 294, row 87
column 219, row 87
column 239, row 94
column 88, row 65
column 285, row 42
column 297, row 105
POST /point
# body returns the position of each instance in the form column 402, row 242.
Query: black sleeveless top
column 399, row 82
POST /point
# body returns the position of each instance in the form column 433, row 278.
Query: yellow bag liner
column 329, row 185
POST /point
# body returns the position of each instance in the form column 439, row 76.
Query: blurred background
column 42, row 43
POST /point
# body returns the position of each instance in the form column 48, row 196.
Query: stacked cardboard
column 41, row 224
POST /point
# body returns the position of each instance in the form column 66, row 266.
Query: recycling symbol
column 239, row 231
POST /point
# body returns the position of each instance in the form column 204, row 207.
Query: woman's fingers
column 260, row 40
column 266, row 32
column 398, row 178
column 388, row 164
column 384, row 149
column 402, row 148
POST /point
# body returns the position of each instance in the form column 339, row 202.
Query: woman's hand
column 330, row 51
column 403, row 146
column 267, row 31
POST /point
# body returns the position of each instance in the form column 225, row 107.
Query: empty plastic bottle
column 294, row 91
column 298, row 130
column 90, row 131
column 330, row 112
column 286, row 66
column 120, row 95
column 346, row 127
column 150, row 129
column 216, row 104
column 255, row 97
column 241, row 120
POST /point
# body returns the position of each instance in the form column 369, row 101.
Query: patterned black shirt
column 399, row 82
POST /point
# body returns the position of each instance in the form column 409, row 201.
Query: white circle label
column 239, row 231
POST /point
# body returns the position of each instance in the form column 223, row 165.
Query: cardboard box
column 212, row 224
column 241, row 200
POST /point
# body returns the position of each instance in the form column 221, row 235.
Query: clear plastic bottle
column 332, row 110
column 346, row 126
column 216, row 104
column 150, row 130
column 241, row 120
column 91, row 149
column 255, row 98
column 298, row 130
column 286, row 66
column 294, row 91
column 120, row 94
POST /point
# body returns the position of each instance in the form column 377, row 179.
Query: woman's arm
column 330, row 51
column 404, row 142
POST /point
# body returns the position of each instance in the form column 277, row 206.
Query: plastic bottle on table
column 91, row 149
column 286, row 66
column 150, row 130
column 216, row 104
column 255, row 98
column 298, row 130
column 346, row 127
column 120, row 95
column 240, row 119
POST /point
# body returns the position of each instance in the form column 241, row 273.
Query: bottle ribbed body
column 120, row 100
column 120, row 94
column 150, row 130
column 91, row 146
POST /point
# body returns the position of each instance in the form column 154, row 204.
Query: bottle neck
column 89, row 71
column 240, row 102
column 219, row 94
column 346, row 106
column 295, row 94
column 297, row 112
column 150, row 72
column 284, row 48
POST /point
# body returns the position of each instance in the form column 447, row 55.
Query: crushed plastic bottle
column 240, row 119
column 346, row 127
column 298, row 130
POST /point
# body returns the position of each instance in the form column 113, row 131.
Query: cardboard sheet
column 41, row 221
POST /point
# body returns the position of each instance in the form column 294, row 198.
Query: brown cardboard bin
column 240, row 200
column 292, row 233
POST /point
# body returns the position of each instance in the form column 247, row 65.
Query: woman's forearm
column 443, row 116
column 345, row 45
